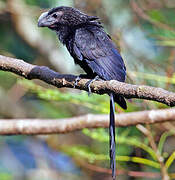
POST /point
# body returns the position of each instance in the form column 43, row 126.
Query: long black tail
column 112, row 136
column 121, row 101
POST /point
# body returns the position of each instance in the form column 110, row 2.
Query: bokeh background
column 144, row 30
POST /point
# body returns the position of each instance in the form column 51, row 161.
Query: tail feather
column 112, row 136
column 120, row 100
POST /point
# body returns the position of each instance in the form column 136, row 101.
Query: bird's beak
column 44, row 21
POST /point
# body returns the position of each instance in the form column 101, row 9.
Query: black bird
column 92, row 49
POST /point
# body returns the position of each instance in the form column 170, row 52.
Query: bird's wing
column 95, row 47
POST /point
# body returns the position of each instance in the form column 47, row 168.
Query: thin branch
column 98, row 169
column 55, row 126
column 160, row 158
column 49, row 76
column 147, row 131
column 144, row 16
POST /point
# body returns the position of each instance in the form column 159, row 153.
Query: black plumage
column 92, row 49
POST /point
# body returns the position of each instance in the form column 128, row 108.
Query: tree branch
column 49, row 76
column 55, row 126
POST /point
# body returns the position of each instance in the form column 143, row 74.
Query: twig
column 160, row 159
column 144, row 16
column 49, row 76
column 118, row 172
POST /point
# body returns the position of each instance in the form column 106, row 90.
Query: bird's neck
column 63, row 33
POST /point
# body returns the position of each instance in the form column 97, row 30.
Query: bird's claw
column 88, row 84
column 89, row 89
column 78, row 78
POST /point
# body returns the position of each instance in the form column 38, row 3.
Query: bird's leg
column 88, row 84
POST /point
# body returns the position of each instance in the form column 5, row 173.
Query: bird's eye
column 54, row 15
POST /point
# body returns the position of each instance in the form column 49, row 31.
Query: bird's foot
column 78, row 78
column 76, row 81
column 88, row 84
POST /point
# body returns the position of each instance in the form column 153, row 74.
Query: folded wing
column 94, row 47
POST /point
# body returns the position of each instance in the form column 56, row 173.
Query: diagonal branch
column 146, row 17
column 49, row 76
column 55, row 126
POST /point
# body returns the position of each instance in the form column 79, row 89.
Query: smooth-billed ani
column 93, row 50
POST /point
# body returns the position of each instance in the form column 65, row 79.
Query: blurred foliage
column 144, row 30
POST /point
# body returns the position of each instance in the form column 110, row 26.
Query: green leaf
column 92, row 157
column 169, row 43
column 102, row 136
column 153, row 77
column 170, row 160
column 157, row 15
column 162, row 140
column 97, row 103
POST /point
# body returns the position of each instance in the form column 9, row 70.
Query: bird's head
column 66, row 16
